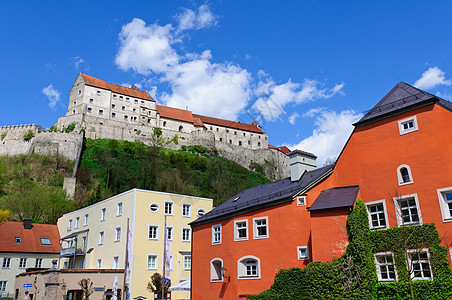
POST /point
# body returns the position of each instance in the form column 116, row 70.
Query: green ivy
column 353, row 275
column 29, row 135
column 4, row 135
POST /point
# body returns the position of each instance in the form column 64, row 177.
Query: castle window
column 125, row 117
column 227, row 130
column 259, row 137
column 180, row 128
column 217, row 129
column 75, row 102
column 91, row 100
column 114, row 96
column 73, row 112
column 377, row 214
column 134, row 110
column 230, row 141
column 98, row 92
column 235, row 132
column 211, row 128
column 79, row 92
column 135, row 101
column 240, row 143
column 120, row 97
column 89, row 109
column 101, row 112
column 249, row 143
column 113, row 106
column 127, row 99
column 244, row 134
column 404, row 175
column 164, row 123
column 123, row 108
column 113, row 115
column 221, row 139
column 259, row 144
column 142, row 102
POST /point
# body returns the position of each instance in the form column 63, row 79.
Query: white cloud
column 293, row 118
column 52, row 94
column 447, row 97
column 79, row 63
column 330, row 134
column 189, row 19
column 432, row 78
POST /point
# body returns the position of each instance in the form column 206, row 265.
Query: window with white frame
column 187, row 262
column 103, row 213
column 248, row 267
column 152, row 262
column 169, row 208
column 6, row 264
column 404, row 175
column 99, row 263
column 69, row 225
column 153, row 232
column 419, row 264
column 445, row 203
column 169, row 232
column 386, row 270
column 38, row 263
column 301, row 200
column 303, row 252
column 154, row 207
column 117, row 234
column 101, row 238
column 77, row 222
column 186, row 234
column 201, row 212
column 85, row 222
column 260, row 228
column 241, row 230
column 3, row 286
column 115, row 262
column 407, row 210
column 216, row 234
column 377, row 214
column 22, row 263
column 408, row 125
column 215, row 270
column 186, row 210
column 119, row 209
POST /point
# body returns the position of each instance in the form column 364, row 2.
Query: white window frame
column 103, row 214
column 24, row 264
column 403, row 131
column 156, row 261
column 256, row 236
column 398, row 210
column 86, row 220
column 170, row 229
column 385, row 213
column 117, row 238
column 216, row 241
column 152, row 204
column 3, row 285
column 236, row 232
column 378, row 266
column 410, row 252
column 201, row 212
column 189, row 210
column 69, row 225
column 6, row 263
column 215, row 274
column 38, row 263
column 184, row 262
column 119, row 208
column 157, row 232
column 400, row 178
column 171, row 213
column 115, row 260
column 99, row 263
column 445, row 211
column 241, row 267
column 77, row 222
column 299, row 256
column 101, row 237
column 189, row 234
column 301, row 200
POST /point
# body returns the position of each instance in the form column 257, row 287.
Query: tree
column 87, row 288
column 155, row 285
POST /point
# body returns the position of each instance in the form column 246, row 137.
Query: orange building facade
column 398, row 160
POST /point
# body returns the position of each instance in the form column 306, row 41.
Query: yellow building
column 96, row 236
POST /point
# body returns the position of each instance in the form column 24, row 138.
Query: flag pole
column 164, row 259
column 126, row 266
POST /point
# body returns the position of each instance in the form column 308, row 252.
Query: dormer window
column 408, row 125
column 404, row 175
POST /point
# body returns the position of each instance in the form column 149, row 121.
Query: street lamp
column 223, row 274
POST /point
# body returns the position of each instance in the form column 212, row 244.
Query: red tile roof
column 92, row 81
column 197, row 121
column 31, row 238
column 230, row 124
column 175, row 113
column 284, row 149
column 272, row 147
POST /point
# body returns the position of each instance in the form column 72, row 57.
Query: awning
column 183, row 286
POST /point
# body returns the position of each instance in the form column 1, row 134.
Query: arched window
column 181, row 128
column 215, row 269
column 404, row 175
column 248, row 267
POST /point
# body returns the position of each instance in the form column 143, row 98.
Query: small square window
column 113, row 115
column 303, row 252
column 301, row 200
column 98, row 92
column 91, row 100
column 18, row 239
column 407, row 125
column 377, row 214
column 152, row 262
column 89, row 109
column 113, row 106
column 186, row 210
column 260, row 228
column 135, row 101
column 153, row 232
column 445, row 203
column 101, row 112
column 114, row 96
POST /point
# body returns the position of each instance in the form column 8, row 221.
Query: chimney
column 301, row 162
column 27, row 224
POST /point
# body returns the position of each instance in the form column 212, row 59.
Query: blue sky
column 305, row 70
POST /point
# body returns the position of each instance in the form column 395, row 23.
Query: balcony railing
column 71, row 251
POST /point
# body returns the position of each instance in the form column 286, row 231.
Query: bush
column 4, row 135
column 29, row 135
column 70, row 127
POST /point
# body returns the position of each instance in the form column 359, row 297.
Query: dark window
column 405, row 175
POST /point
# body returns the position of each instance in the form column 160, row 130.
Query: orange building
column 398, row 160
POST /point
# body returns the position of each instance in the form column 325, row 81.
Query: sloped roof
column 263, row 195
column 337, row 197
column 197, row 121
column 284, row 149
column 401, row 97
column 303, row 152
column 92, row 81
column 175, row 113
column 31, row 238
column 230, row 124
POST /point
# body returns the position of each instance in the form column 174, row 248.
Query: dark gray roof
column 336, row 198
column 74, row 234
column 302, row 152
column 402, row 97
column 263, row 195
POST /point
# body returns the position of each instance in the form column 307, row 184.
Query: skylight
column 45, row 241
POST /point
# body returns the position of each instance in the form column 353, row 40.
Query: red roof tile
column 92, row 81
column 175, row 113
column 272, row 147
column 284, row 149
column 31, row 238
column 230, row 124
column 197, row 121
